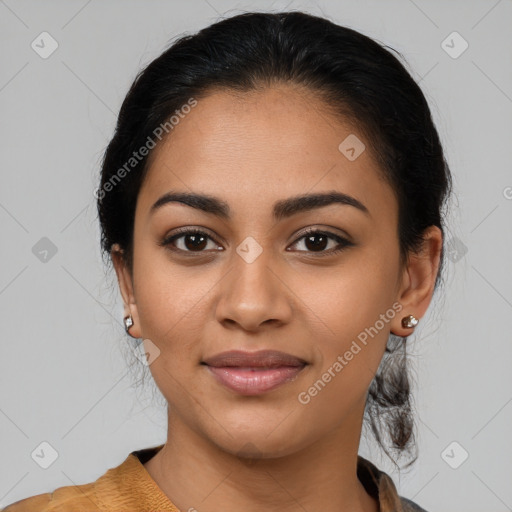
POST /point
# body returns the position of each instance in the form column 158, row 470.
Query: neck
column 198, row 475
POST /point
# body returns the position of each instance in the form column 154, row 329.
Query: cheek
column 357, row 322
column 167, row 293
column 346, row 300
column 170, row 305
column 349, row 313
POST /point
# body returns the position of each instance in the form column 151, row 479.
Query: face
column 262, row 270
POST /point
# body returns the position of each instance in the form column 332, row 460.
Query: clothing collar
column 377, row 483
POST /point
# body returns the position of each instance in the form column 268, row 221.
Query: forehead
column 259, row 147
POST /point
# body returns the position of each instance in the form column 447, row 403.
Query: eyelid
column 324, row 230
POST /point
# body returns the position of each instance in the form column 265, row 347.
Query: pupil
column 198, row 241
column 320, row 245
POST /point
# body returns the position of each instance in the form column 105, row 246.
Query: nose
column 254, row 294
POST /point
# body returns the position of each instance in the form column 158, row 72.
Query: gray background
column 64, row 376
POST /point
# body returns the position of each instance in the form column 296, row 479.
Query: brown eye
column 318, row 241
column 189, row 240
column 194, row 242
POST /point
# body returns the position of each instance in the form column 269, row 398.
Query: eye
column 189, row 240
column 317, row 241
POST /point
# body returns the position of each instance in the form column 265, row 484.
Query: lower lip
column 254, row 381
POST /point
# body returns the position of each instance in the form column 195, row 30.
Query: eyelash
column 167, row 242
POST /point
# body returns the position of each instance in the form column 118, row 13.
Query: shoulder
column 34, row 503
column 81, row 498
column 127, row 486
column 410, row 506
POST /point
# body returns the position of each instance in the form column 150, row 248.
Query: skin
column 225, row 451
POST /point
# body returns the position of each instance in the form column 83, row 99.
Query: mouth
column 254, row 373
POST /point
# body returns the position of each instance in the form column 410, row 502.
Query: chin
column 263, row 438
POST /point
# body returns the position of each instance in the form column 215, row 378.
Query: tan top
column 129, row 487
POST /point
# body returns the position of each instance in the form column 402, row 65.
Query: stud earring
column 409, row 321
column 128, row 322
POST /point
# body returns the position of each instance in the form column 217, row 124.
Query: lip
column 254, row 373
column 259, row 359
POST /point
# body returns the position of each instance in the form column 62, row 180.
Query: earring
column 128, row 322
column 409, row 321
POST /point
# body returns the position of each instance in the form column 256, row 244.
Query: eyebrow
column 282, row 209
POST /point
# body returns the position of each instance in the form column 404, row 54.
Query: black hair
column 356, row 78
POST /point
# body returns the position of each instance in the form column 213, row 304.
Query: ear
column 126, row 287
column 418, row 280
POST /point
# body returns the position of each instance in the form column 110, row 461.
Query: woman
column 272, row 203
